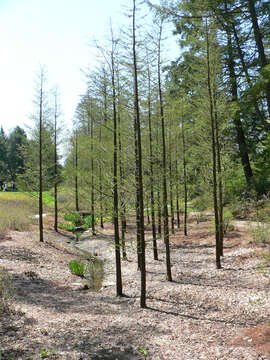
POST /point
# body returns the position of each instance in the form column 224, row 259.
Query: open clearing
column 203, row 314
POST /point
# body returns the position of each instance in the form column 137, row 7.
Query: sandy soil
column 203, row 314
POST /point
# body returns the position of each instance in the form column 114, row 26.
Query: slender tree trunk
column 76, row 172
column 177, row 188
column 100, row 185
column 159, row 211
column 185, row 176
column 219, row 175
column 164, row 171
column 55, row 166
column 138, row 235
column 122, row 202
column 152, row 199
column 140, row 175
column 171, row 182
column 115, row 185
column 41, row 157
column 147, row 210
column 213, row 137
column 92, row 176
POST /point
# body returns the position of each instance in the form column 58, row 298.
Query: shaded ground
column 203, row 314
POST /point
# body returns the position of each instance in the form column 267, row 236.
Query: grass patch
column 6, row 292
column 77, row 268
column 16, row 209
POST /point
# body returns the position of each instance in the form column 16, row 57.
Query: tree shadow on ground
column 200, row 318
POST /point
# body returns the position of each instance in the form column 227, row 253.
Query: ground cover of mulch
column 203, row 314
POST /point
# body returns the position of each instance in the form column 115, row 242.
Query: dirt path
column 203, row 314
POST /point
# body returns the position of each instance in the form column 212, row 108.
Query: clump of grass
column 6, row 292
column 77, row 267
column 260, row 232
column 15, row 212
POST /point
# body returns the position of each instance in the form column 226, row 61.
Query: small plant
column 227, row 221
column 43, row 353
column 46, row 353
column 143, row 351
column 6, row 291
column 77, row 267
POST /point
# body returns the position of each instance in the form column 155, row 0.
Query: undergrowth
column 77, row 267
column 6, row 292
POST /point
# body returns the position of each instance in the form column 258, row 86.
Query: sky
column 56, row 34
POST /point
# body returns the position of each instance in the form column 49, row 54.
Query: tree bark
column 140, row 175
column 152, row 199
column 55, row 166
column 185, row 176
column 213, row 138
column 164, row 170
column 41, row 157
column 115, row 184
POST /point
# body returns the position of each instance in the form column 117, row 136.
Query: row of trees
column 152, row 137
column 161, row 135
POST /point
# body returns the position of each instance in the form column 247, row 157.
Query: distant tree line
column 12, row 160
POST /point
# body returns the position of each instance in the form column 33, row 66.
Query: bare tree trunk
column 92, row 177
column 185, row 176
column 76, row 172
column 147, row 210
column 100, row 186
column 122, row 202
column 171, row 182
column 164, row 170
column 55, row 166
column 115, row 184
column 219, row 175
column 152, row 199
column 213, row 137
column 177, row 188
column 140, row 175
column 41, row 156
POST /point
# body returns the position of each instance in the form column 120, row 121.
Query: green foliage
column 6, row 292
column 46, row 353
column 227, row 219
column 88, row 220
column 143, row 351
column 77, row 267
column 67, row 226
column 74, row 217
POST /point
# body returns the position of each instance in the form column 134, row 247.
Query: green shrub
column 77, row 267
column 88, row 220
column 66, row 226
column 74, row 217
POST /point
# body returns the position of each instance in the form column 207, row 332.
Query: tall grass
column 15, row 211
